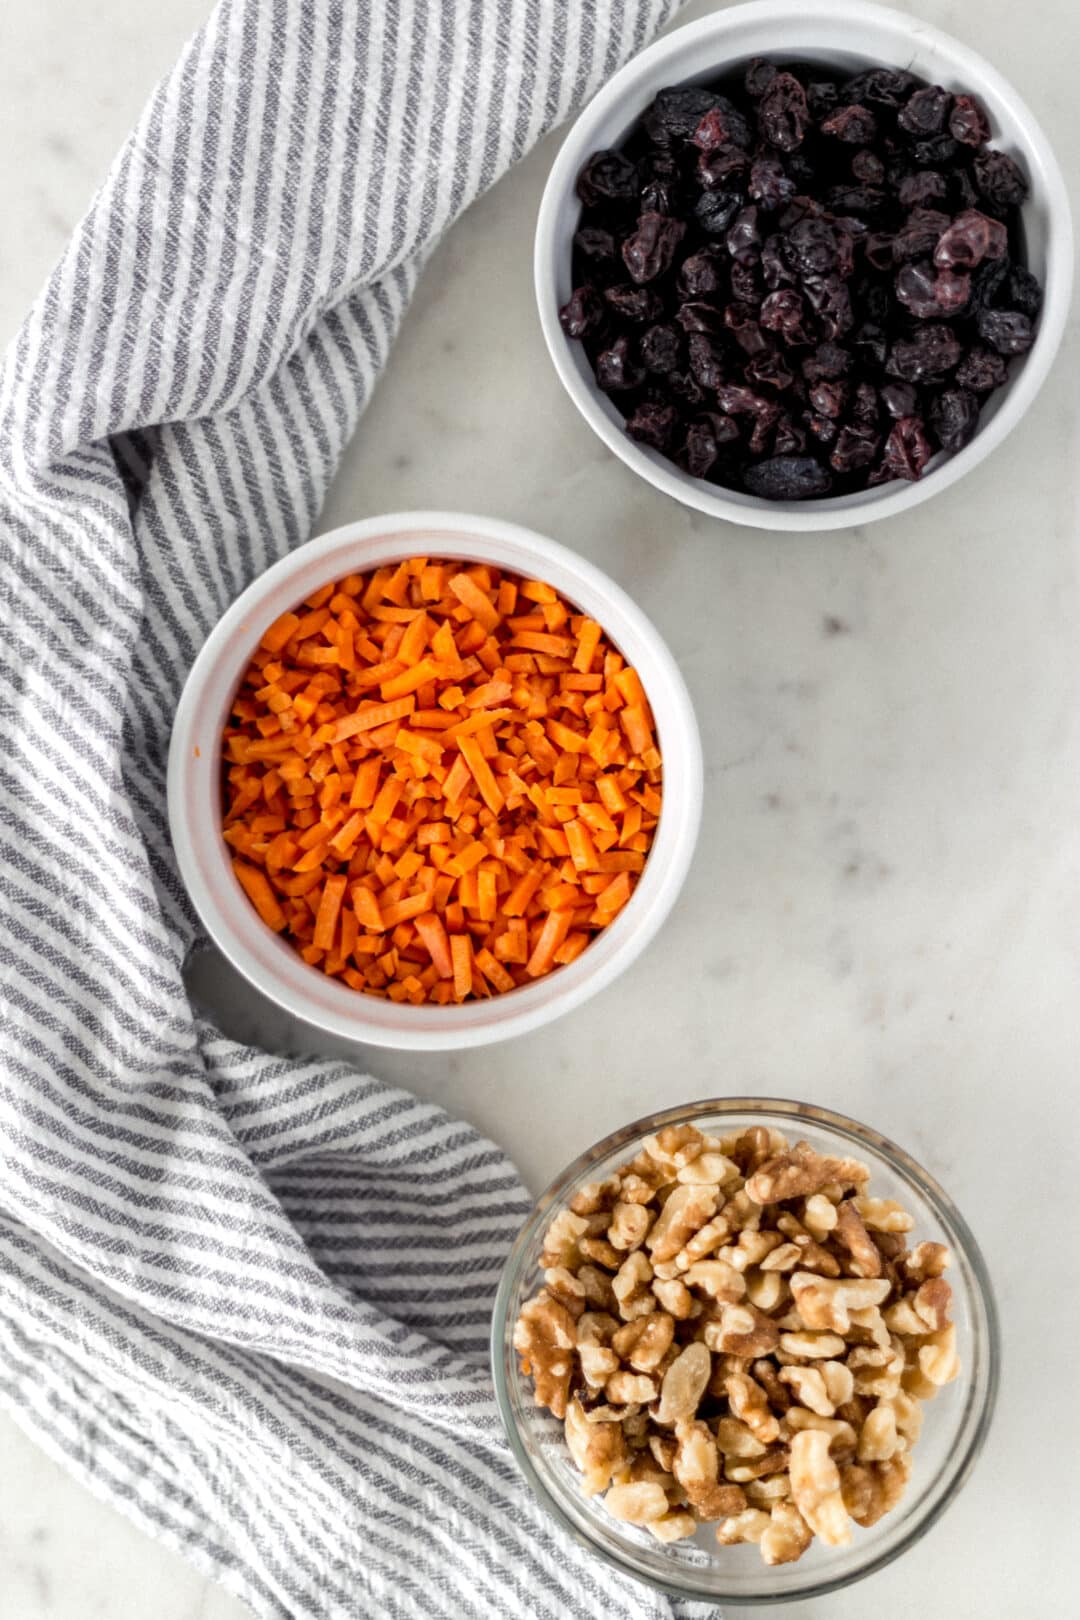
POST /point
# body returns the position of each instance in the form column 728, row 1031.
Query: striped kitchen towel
column 243, row 1298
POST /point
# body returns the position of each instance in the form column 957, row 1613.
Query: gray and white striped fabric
column 243, row 1298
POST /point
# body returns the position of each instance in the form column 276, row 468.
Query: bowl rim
column 769, row 1109
column 270, row 964
column 835, row 512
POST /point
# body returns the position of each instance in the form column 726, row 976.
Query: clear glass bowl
column 956, row 1422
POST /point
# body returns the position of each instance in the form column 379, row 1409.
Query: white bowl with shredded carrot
column 434, row 780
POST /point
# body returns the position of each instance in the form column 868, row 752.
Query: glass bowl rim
column 770, row 1108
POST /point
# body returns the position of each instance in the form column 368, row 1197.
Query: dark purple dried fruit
column 907, row 450
column 823, row 428
column 740, row 322
column 867, row 167
column 1023, row 291
column 705, row 437
column 920, row 233
column 617, row 368
column 722, row 125
column 817, row 248
column 880, row 87
column 677, row 112
column 899, row 399
column 822, row 98
column 870, row 201
column 988, row 283
column 783, row 311
column 968, row 124
column 830, row 300
column 924, row 186
column 916, row 290
column 607, row 177
column 654, row 425
column 864, row 407
column 715, row 210
column 777, row 262
column 937, row 152
column 697, row 315
column 971, row 238
column 999, row 179
column 634, row 304
column 982, row 370
column 702, row 273
column 770, row 184
column 783, row 115
column 769, row 369
column 788, row 438
column 856, row 446
column 708, row 366
column 927, row 357
column 736, row 401
column 871, row 344
column 854, row 125
column 952, row 289
column 829, row 360
column 743, row 231
column 661, row 349
column 925, row 112
column 594, row 246
column 684, row 387
column 760, row 73
column 877, row 247
column 583, row 313
column 829, row 398
column 746, row 283
column 954, row 416
column 787, row 478
column 651, row 249
column 722, row 168
column 1005, row 330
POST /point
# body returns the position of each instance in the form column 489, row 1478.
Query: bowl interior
column 195, row 786
column 955, row 1422
column 845, row 37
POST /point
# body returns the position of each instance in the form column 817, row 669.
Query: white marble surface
column 884, row 913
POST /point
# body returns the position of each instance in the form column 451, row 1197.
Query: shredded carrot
column 440, row 781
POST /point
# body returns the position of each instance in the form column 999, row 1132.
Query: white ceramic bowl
column 272, row 965
column 848, row 35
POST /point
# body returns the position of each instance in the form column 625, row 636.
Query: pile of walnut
column 732, row 1330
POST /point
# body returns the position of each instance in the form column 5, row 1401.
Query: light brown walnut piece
column 884, row 1214
column 825, row 1303
column 595, row 1196
column 751, row 1147
column 851, row 1234
column 872, row 1490
column 749, row 1403
column 545, row 1338
column 561, row 1240
column 749, row 1525
column 683, row 1214
column 710, row 1168
column 630, row 1286
column 636, row 1188
column 626, row 1388
column 663, row 1448
column 751, row 1248
column 601, row 1253
column 737, row 1439
column 785, row 1257
column 596, row 1356
column 697, row 1469
column 629, row 1224
column 841, row 1434
column 645, row 1342
column 799, row 1172
column 637, row 1504
column 925, row 1260
column 808, row 1384
column 819, row 1216
column 598, row 1449
column 839, row 1381
column 808, row 1346
column 902, row 1318
column 597, row 1286
column 878, row 1440
column 643, row 1466
column 673, row 1527
column 815, row 1487
column 938, row 1358
column 933, row 1301
column 684, row 1385
column 909, row 1417
column 766, row 1289
column 674, row 1296
column 716, row 1279
column 745, row 1470
column 811, row 1255
column 877, row 1372
column 673, row 1147
column 762, row 1493
column 710, row 1237
column 742, row 1330
column 787, row 1537
column 564, row 1286
column 868, row 1327
column 767, row 1375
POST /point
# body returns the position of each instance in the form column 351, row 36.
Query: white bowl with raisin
column 746, row 1349
column 838, row 38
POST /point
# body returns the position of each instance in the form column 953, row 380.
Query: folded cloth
column 243, row 1298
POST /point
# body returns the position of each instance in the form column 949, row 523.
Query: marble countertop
column 884, row 911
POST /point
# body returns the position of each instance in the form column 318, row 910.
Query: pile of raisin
column 800, row 284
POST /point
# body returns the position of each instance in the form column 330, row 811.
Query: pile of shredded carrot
column 440, row 781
